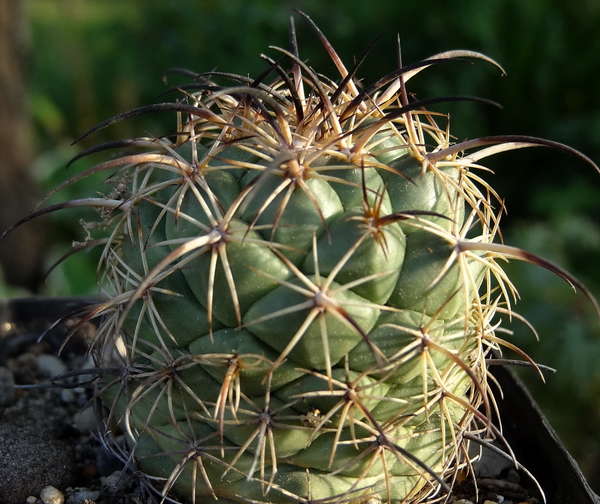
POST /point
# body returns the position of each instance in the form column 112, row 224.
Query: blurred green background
column 90, row 59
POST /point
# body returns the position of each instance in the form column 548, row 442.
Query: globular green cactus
column 303, row 287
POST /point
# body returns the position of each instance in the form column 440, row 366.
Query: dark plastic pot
column 537, row 446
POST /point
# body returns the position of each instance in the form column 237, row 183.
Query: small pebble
column 31, row 499
column 112, row 480
column 86, row 421
column 68, row 396
column 84, row 495
column 51, row 365
column 51, row 495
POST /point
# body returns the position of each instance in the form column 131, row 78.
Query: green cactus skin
column 302, row 290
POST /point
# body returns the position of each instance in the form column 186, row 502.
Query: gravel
column 49, row 444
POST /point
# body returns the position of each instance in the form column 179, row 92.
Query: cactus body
column 303, row 284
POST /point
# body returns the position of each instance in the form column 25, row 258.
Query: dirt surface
column 48, row 434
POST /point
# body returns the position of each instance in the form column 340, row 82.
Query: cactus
column 304, row 284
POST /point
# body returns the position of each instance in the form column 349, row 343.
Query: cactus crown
column 302, row 287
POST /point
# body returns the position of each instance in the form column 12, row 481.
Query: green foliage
column 95, row 58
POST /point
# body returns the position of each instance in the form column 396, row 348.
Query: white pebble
column 89, row 495
column 51, row 365
column 31, row 499
column 51, row 495
column 67, row 396
column 111, row 480
column 86, row 421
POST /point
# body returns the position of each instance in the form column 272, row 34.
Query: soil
column 48, row 433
